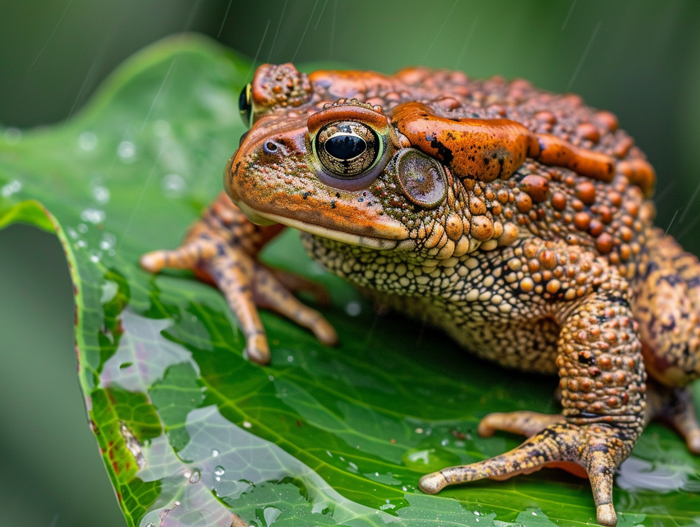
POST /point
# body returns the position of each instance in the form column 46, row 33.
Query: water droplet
column 419, row 455
column 87, row 141
column 219, row 470
column 108, row 241
column 419, row 430
column 404, row 489
column 194, row 478
column 72, row 233
column 81, row 243
column 13, row 135
column 101, row 194
column 444, row 442
column 177, row 503
column 161, row 128
column 12, row 187
column 271, row 377
column 95, row 256
column 187, row 473
column 353, row 308
column 353, row 467
column 109, row 291
column 174, row 185
column 271, row 514
column 82, row 228
column 127, row 151
column 246, row 424
column 151, row 524
column 214, row 452
column 534, row 513
column 290, row 359
column 93, row 216
column 329, row 454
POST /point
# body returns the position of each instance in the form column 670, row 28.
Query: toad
column 517, row 220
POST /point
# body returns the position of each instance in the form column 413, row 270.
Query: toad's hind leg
column 667, row 308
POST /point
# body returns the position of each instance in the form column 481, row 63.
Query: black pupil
column 345, row 146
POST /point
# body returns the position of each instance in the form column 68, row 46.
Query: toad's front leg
column 222, row 247
column 603, row 394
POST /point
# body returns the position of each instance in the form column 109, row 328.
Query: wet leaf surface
column 194, row 435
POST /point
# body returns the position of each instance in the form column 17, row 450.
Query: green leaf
column 190, row 432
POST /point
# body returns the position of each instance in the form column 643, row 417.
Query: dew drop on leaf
column 12, row 187
column 353, row 308
column 271, row 514
column 174, row 185
column 93, row 216
column 127, row 151
column 87, row 141
column 101, row 194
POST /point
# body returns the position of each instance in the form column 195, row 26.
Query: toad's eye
column 347, row 148
column 245, row 105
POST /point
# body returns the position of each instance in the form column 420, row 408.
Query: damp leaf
column 193, row 434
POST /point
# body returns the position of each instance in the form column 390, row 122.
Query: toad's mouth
column 372, row 242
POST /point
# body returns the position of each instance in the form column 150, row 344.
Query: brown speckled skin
column 540, row 255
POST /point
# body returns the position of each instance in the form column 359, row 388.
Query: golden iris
column 347, row 148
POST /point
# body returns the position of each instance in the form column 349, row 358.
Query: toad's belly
column 528, row 345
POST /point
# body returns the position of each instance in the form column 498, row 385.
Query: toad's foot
column 675, row 406
column 596, row 448
column 247, row 285
column 524, row 423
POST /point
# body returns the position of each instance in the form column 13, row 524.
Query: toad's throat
column 372, row 242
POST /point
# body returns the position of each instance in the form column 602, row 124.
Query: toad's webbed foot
column 595, row 448
column 222, row 248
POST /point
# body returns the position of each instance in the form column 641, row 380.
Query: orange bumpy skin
column 516, row 220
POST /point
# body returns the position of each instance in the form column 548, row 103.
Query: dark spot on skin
column 306, row 195
column 518, row 177
column 337, row 195
column 589, row 415
column 617, row 300
column 672, row 279
column 694, row 282
column 444, row 153
column 333, row 204
column 585, row 357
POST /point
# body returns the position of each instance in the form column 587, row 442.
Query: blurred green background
column 639, row 59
